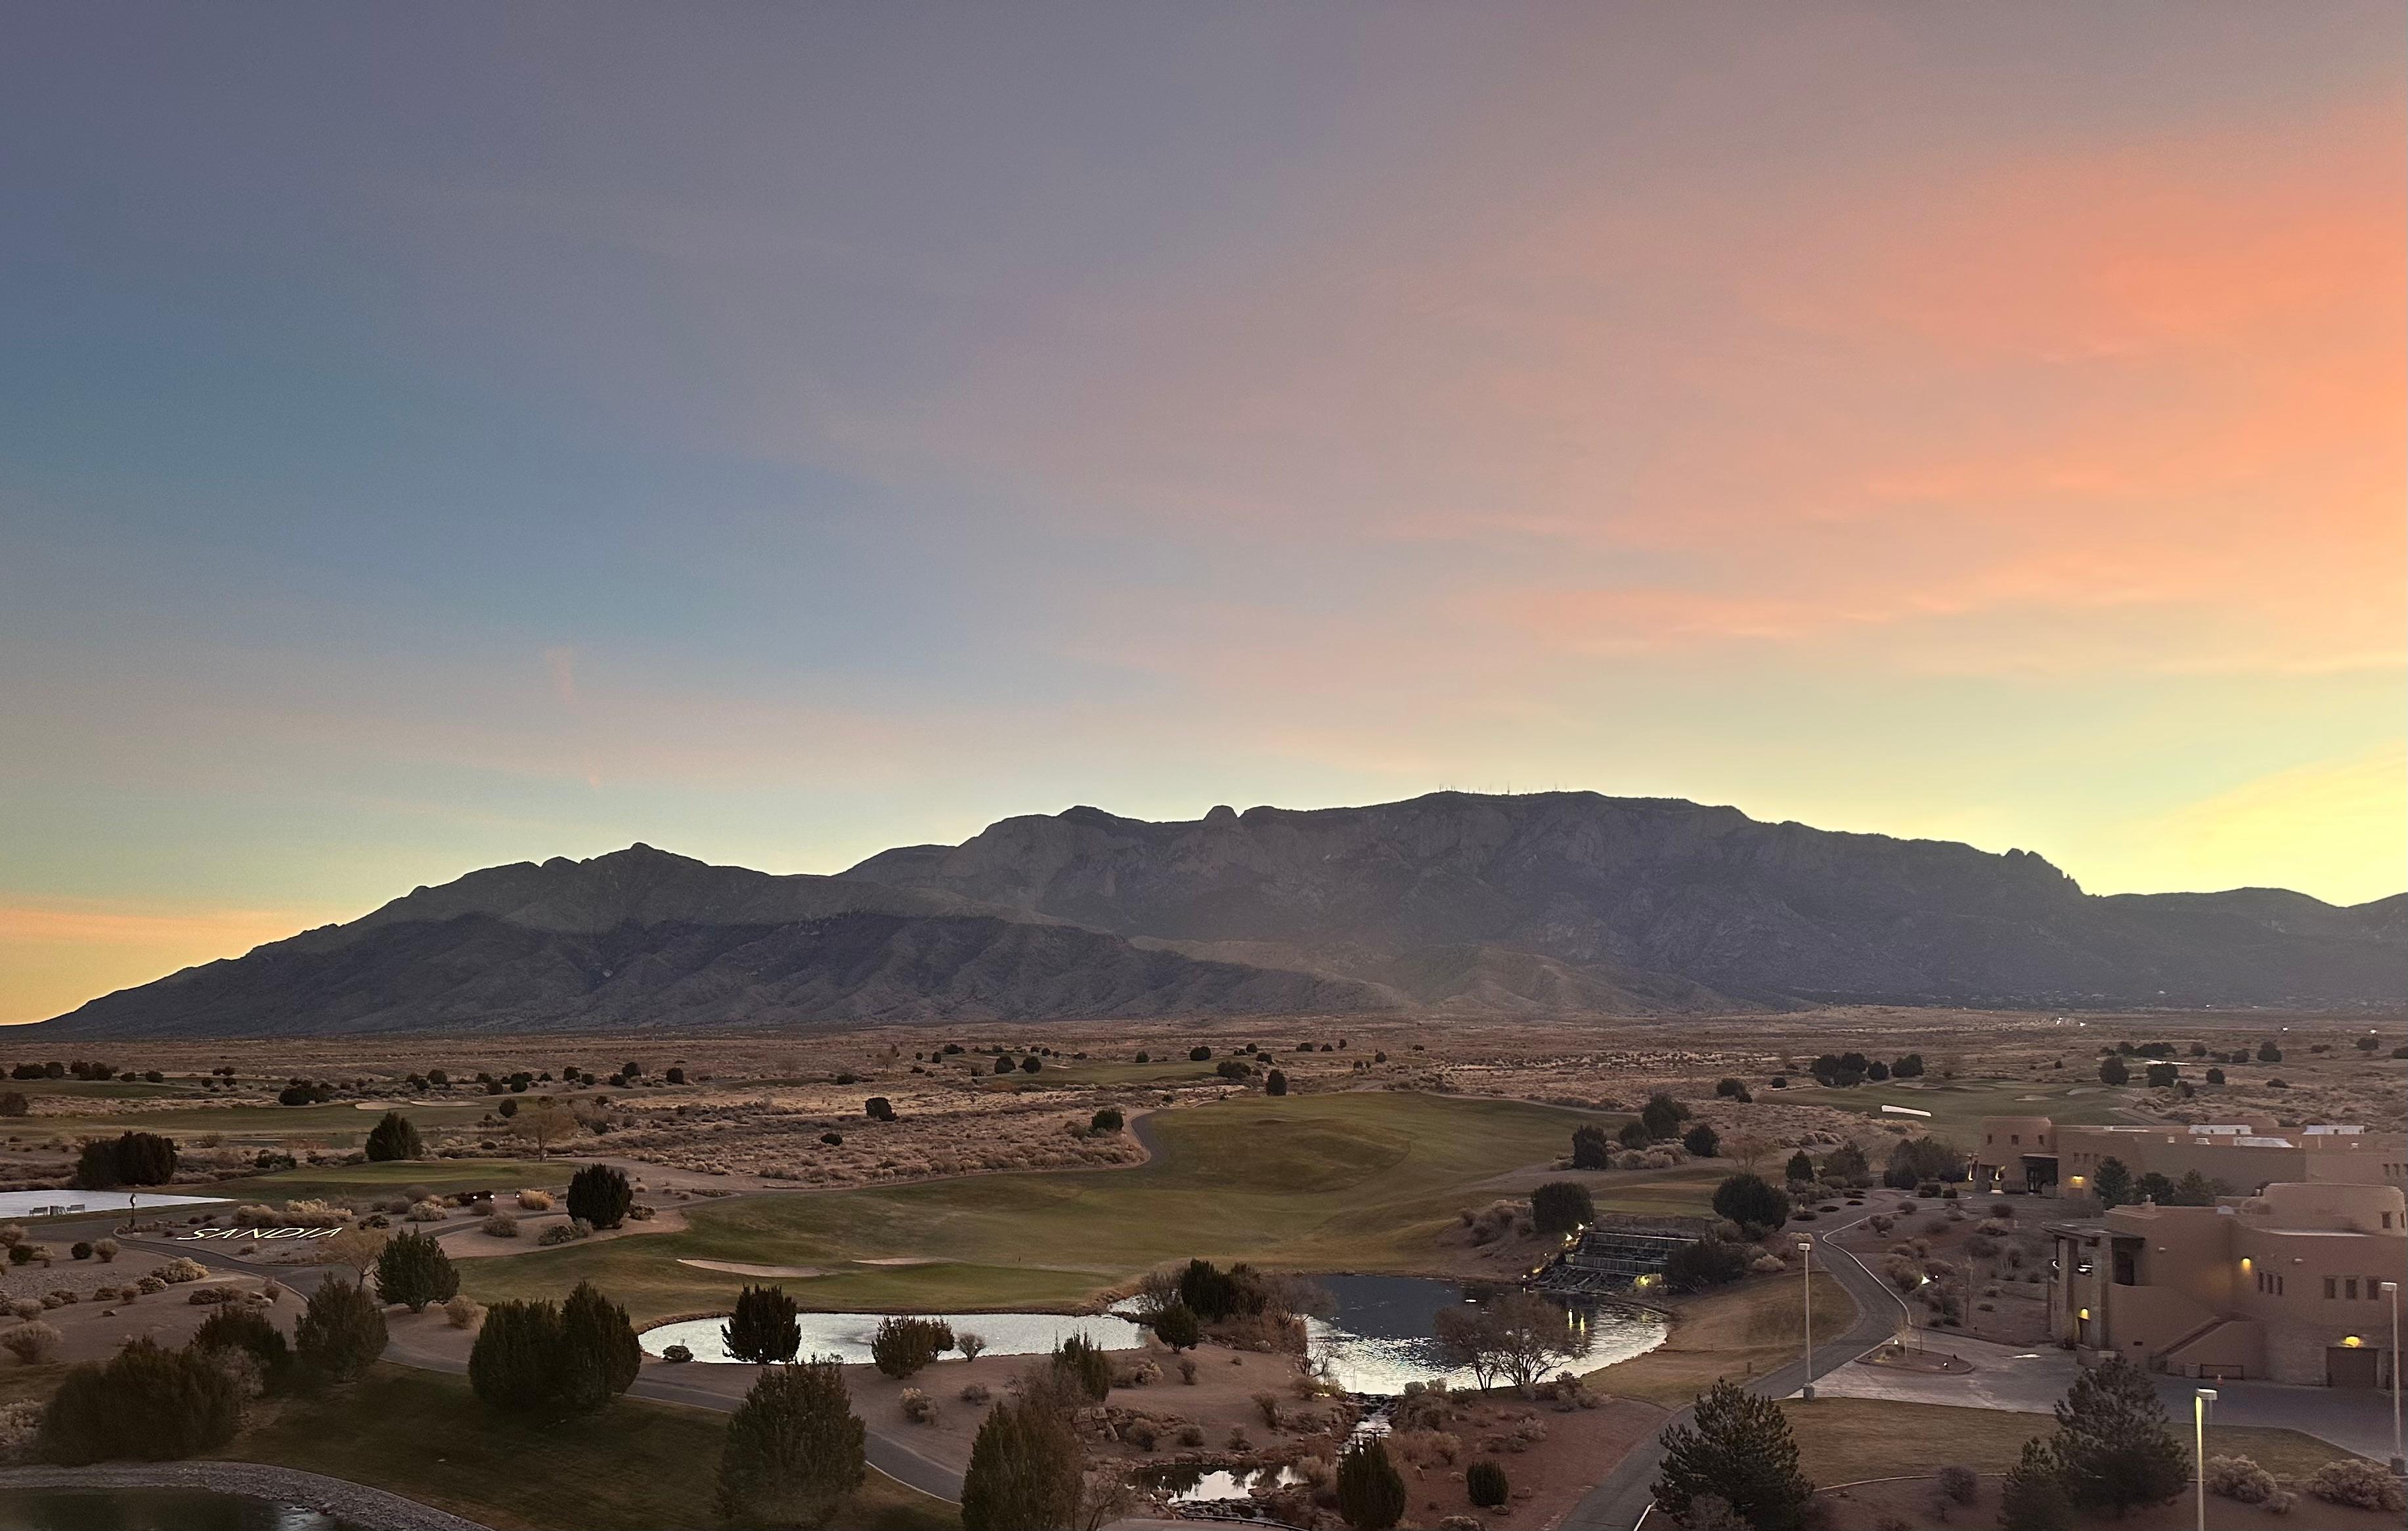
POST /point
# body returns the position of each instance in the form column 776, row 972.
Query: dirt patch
column 475, row 1244
column 737, row 1268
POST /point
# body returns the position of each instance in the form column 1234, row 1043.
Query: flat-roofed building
column 2285, row 1285
column 2036, row 1155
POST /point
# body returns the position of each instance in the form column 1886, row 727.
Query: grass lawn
column 1738, row 1333
column 635, row 1466
column 1847, row 1441
column 1359, row 1181
column 357, row 1182
column 1958, row 1106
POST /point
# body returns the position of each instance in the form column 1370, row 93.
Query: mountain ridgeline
column 1555, row 904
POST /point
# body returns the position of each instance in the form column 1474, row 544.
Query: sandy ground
column 91, row 1330
column 467, row 1240
column 1547, row 1476
column 1916, row 1502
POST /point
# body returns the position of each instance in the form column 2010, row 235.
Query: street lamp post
column 2399, row 1460
column 1806, row 1248
column 2200, row 1399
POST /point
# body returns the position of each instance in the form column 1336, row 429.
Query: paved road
column 1617, row 1503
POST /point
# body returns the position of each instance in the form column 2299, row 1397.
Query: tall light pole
column 2399, row 1460
column 1806, row 1248
column 2200, row 1399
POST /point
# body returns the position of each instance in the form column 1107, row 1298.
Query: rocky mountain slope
column 1553, row 904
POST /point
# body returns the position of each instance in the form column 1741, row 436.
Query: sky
column 453, row 434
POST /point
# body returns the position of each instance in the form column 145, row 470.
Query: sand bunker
column 737, row 1268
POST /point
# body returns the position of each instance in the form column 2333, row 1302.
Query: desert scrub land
column 1361, row 1180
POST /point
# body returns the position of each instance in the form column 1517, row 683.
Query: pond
column 1378, row 1337
column 846, row 1335
column 156, row 1510
column 1197, row 1485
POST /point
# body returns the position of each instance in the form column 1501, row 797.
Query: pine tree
column 599, row 1354
column 413, row 1270
column 2032, row 1497
column 340, row 1332
column 1176, row 1326
column 511, row 1367
column 794, row 1450
column 144, row 1403
column 599, row 1196
column 1800, row 1167
column 1739, row 1448
column 394, row 1137
column 1591, row 1149
column 1026, row 1469
column 1370, row 1492
column 2114, row 1447
column 763, row 1327
column 2113, row 1184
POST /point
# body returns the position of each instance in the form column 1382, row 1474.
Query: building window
column 2352, row 1292
column 2330, row 1284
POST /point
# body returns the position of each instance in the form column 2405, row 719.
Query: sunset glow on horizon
column 447, row 436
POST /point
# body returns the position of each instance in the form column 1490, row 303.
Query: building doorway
column 2353, row 1366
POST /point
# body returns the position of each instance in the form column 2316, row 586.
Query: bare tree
column 1747, row 1149
column 544, row 1125
column 356, row 1248
column 1466, row 1336
column 1531, row 1332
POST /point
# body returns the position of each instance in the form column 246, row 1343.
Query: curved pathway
column 339, row 1497
column 1624, row 1496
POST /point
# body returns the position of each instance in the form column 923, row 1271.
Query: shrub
column 340, row 1332
column 104, row 1250
column 1702, row 1141
column 32, row 1341
column 145, row 1404
column 248, row 1331
column 878, row 1108
column 904, row 1344
column 1485, row 1482
column 80, row 1249
column 1187, row 1370
column 413, row 1270
column 976, row 1392
column 1752, row 1201
column 1275, row 1083
column 1561, row 1206
column 1959, row 1484
column 1370, row 1491
column 463, row 1312
column 918, row 1406
column 2355, row 1480
column 969, row 1344
column 764, row 1328
column 500, row 1225
column 1591, row 1149
column 599, row 1196
column 1080, row 1362
column 1708, row 1262
column 1739, row 1448
column 1176, row 1326
column 1109, row 1119
column 565, row 1232
column 2239, row 1477
column 677, row 1354
column 394, row 1137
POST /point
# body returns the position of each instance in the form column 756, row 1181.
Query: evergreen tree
column 1275, row 1083
column 1752, row 1201
column 764, row 1328
column 245, row 1329
column 2114, row 1447
column 1800, row 1167
column 599, row 1196
column 1561, row 1206
column 1739, row 1448
column 1846, row 1165
column 1026, row 1469
column 2032, row 1497
column 2113, row 1184
column 394, row 1137
column 413, row 1270
column 1702, row 1141
column 1662, row 1116
column 2113, row 1070
column 340, row 1332
column 1176, row 1326
column 1591, row 1149
column 511, row 1364
column 130, row 1159
column 1083, row 1367
column 1370, row 1491
column 599, row 1353
column 794, row 1448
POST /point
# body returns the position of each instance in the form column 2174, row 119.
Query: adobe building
column 2284, row 1286
column 2035, row 1155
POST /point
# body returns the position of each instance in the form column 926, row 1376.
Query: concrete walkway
column 1625, row 1494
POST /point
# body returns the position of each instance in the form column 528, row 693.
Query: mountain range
column 1551, row 904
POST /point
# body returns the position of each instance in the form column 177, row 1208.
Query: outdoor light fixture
column 2351, row 1342
column 2200, row 1399
column 1806, row 1272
